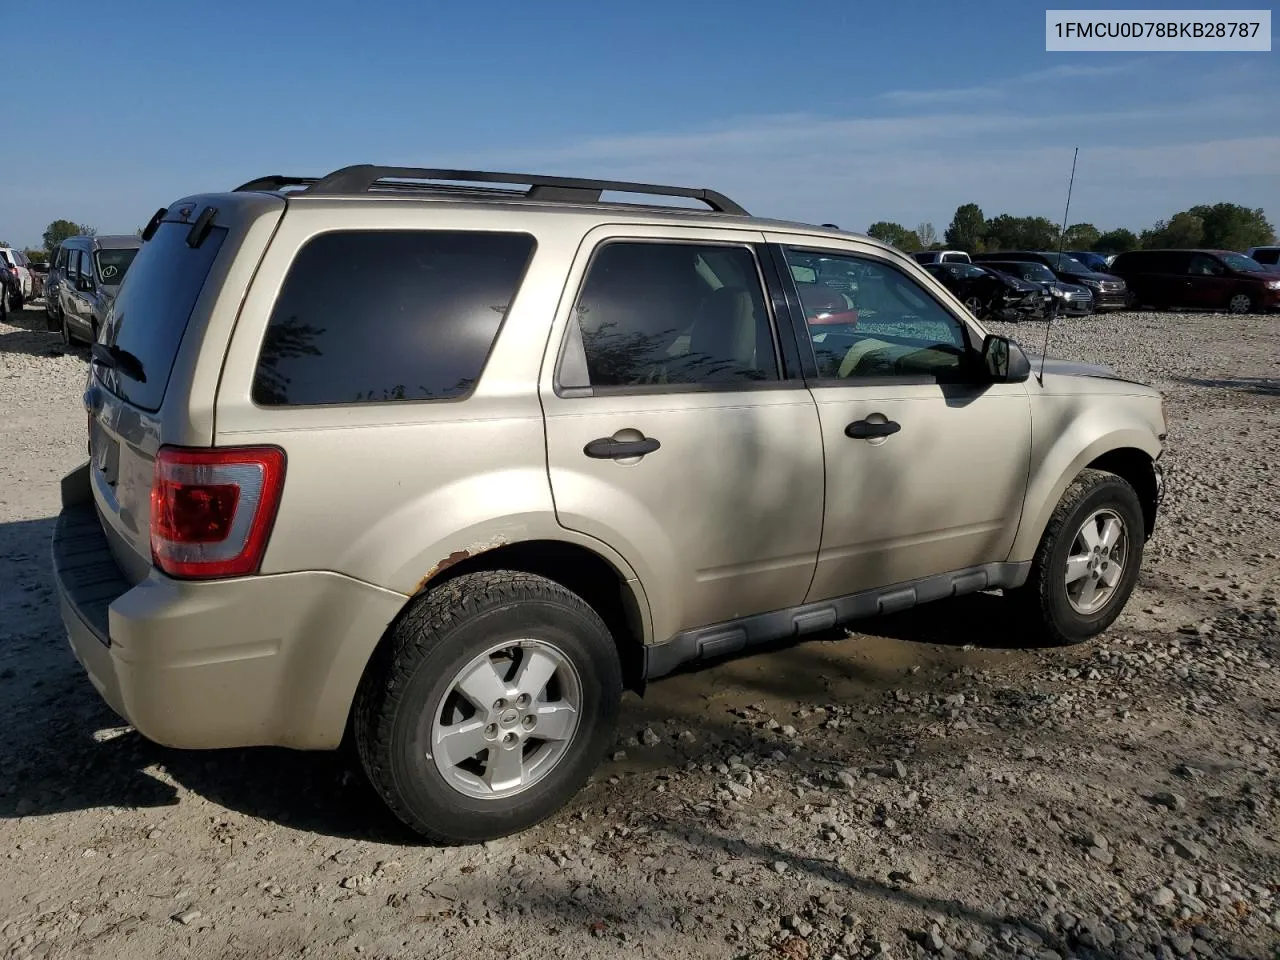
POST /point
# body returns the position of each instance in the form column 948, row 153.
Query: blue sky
column 845, row 111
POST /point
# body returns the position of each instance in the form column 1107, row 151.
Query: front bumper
column 254, row 661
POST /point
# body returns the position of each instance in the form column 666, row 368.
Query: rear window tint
column 153, row 307
column 1267, row 256
column 377, row 316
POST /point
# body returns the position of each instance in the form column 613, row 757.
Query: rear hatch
column 135, row 400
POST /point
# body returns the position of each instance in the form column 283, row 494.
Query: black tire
column 1044, row 595
column 1240, row 298
column 406, row 685
column 18, row 302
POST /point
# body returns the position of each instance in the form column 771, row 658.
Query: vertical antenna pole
column 1062, row 243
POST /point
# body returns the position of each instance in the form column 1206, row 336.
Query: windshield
column 113, row 263
column 1241, row 263
column 1029, row 271
column 1062, row 262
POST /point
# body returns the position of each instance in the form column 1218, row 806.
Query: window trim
column 965, row 376
column 571, row 337
column 284, row 408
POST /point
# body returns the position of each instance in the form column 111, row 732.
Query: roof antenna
column 1062, row 242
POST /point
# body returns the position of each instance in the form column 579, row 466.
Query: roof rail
column 363, row 178
column 274, row 182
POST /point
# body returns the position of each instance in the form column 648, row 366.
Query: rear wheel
column 1088, row 560
column 1240, row 303
column 493, row 700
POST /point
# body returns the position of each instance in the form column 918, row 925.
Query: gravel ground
column 922, row 787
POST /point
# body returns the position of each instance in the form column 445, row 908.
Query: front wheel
column 492, row 701
column 1240, row 303
column 1087, row 563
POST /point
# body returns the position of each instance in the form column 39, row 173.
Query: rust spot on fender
column 457, row 557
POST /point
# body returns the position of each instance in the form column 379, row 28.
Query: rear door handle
column 866, row 429
column 607, row 448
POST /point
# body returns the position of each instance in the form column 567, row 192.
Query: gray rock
column 1161, row 897
column 187, row 917
column 1174, row 801
column 649, row 738
column 898, row 769
column 1188, row 848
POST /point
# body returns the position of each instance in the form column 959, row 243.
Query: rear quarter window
column 153, row 308
column 381, row 316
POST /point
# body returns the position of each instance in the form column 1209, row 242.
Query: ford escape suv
column 443, row 461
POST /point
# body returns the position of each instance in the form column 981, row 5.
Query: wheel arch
column 1129, row 453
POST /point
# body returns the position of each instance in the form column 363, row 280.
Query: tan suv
column 446, row 460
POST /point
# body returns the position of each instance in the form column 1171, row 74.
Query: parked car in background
column 1109, row 291
column 1267, row 256
column 942, row 256
column 1200, row 279
column 39, row 273
column 989, row 293
column 8, row 287
column 1072, row 299
column 16, row 261
column 1094, row 261
column 87, row 273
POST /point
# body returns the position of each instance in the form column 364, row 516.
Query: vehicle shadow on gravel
column 1264, row 386
column 32, row 338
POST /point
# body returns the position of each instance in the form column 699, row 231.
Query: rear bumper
column 255, row 661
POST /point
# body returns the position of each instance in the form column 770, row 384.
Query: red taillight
column 212, row 510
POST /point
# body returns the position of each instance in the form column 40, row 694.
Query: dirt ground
column 922, row 786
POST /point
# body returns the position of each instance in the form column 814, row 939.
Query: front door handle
column 866, row 429
column 607, row 448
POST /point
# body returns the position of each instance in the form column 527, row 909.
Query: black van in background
column 1199, row 279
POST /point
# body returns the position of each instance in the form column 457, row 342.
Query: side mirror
column 1003, row 360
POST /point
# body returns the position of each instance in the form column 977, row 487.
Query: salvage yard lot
column 920, row 786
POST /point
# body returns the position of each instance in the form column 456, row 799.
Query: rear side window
column 1270, row 257
column 152, row 309
column 378, row 316
column 665, row 314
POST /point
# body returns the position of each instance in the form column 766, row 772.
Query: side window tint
column 673, row 313
column 1201, row 266
column 73, row 264
column 1267, row 256
column 378, row 316
column 876, row 321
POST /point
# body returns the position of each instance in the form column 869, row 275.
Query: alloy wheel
column 1096, row 562
column 507, row 719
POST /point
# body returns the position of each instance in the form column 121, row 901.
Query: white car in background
column 16, row 260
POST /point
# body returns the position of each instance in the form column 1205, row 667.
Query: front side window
column 1202, row 266
column 374, row 316
column 884, row 325
column 1241, row 263
column 663, row 314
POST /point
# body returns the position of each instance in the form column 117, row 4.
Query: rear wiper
column 122, row 360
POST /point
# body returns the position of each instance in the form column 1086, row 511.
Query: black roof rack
column 363, row 178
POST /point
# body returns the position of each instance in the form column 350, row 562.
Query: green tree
column 37, row 256
column 1007, row 232
column 968, row 228
column 1081, row 236
column 60, row 230
column 895, row 234
column 1116, row 241
column 1229, row 226
column 1182, row 231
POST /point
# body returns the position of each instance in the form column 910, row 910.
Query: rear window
column 112, row 264
column 378, row 316
column 152, row 309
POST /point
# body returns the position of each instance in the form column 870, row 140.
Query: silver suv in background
column 83, row 280
column 444, row 467
column 24, row 285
